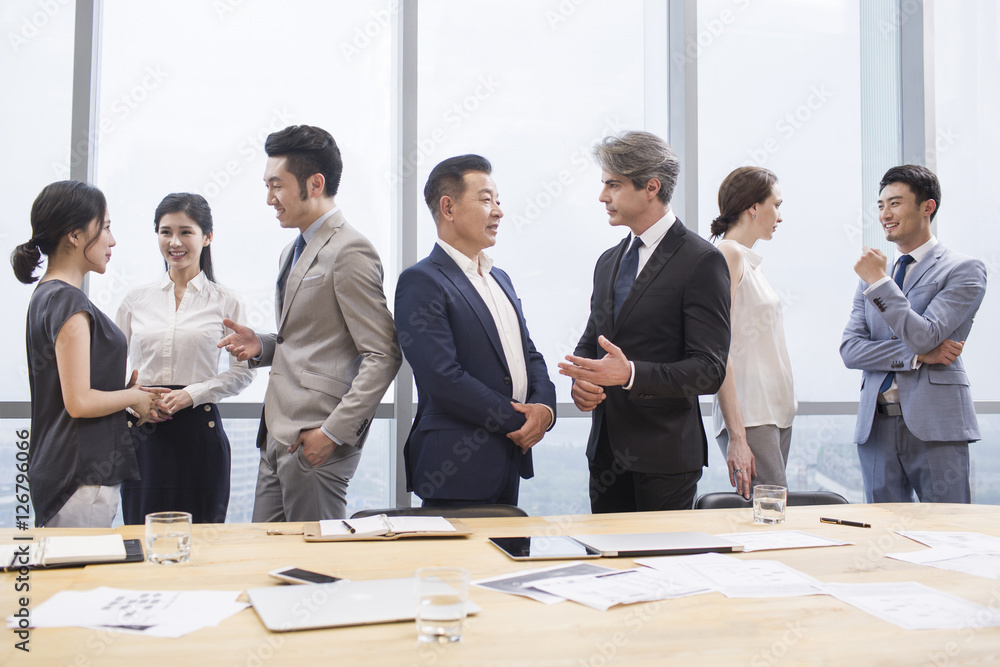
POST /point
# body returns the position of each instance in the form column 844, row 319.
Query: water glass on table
column 442, row 598
column 769, row 503
column 168, row 537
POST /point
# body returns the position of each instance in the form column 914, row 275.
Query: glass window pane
column 778, row 87
column 35, row 110
column 967, row 140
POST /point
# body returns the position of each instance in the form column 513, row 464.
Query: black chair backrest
column 471, row 511
column 715, row 501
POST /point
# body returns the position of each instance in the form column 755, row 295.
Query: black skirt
column 184, row 466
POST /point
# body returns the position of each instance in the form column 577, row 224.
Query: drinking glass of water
column 168, row 537
column 442, row 597
column 769, row 503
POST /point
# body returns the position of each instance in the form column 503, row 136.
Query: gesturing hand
column 613, row 369
column 243, row 343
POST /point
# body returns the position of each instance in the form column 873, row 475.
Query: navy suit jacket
column 458, row 446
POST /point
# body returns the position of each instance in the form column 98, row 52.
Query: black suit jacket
column 674, row 325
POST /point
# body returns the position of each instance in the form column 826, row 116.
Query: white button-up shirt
column 171, row 345
column 504, row 316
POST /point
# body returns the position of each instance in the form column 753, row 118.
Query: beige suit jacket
column 335, row 351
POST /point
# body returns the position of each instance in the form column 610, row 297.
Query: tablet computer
column 558, row 547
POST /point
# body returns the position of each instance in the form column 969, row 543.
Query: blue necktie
column 897, row 277
column 626, row 274
column 300, row 245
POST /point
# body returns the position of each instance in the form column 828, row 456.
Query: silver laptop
column 283, row 608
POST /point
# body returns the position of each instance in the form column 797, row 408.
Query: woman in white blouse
column 755, row 406
column 172, row 327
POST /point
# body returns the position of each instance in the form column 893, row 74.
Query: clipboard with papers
column 383, row 527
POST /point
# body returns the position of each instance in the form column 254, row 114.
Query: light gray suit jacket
column 335, row 351
column 888, row 326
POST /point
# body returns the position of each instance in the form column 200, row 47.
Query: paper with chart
column 913, row 606
column 524, row 583
column 603, row 591
column 780, row 539
column 737, row 578
column 152, row 613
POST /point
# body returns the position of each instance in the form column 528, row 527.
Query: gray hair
column 640, row 156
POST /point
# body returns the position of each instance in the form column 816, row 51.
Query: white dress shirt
column 650, row 239
column 171, row 345
column 504, row 316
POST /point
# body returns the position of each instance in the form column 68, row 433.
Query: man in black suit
column 657, row 338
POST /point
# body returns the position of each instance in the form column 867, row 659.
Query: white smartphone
column 294, row 575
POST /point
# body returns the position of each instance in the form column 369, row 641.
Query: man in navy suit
column 484, row 394
column 657, row 337
column 906, row 332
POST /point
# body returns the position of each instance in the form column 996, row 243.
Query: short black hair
column 310, row 150
column 446, row 179
column 921, row 181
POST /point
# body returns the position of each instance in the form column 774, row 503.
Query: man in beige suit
column 335, row 351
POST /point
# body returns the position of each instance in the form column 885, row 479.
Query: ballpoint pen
column 348, row 526
column 845, row 522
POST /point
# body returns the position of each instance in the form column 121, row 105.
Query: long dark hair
column 195, row 207
column 61, row 208
column 741, row 189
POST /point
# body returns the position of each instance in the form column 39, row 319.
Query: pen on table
column 845, row 522
column 348, row 526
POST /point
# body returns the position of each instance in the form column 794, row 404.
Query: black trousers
column 613, row 488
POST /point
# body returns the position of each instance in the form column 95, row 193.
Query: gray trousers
column 289, row 489
column 770, row 446
column 895, row 463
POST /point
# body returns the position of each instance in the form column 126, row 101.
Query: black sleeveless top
column 66, row 453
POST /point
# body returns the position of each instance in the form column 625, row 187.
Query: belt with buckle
column 889, row 409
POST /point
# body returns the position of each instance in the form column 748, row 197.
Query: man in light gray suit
column 907, row 332
column 335, row 351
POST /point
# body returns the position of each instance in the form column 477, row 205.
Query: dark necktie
column 300, row 244
column 626, row 274
column 897, row 277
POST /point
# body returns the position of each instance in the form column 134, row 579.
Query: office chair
column 471, row 511
column 715, row 501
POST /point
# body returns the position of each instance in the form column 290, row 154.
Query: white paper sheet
column 913, row 606
column 780, row 539
column 737, row 578
column 603, row 591
column 522, row 583
column 968, row 542
column 955, row 559
column 152, row 613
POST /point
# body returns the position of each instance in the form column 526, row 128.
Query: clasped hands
column 151, row 400
column 590, row 376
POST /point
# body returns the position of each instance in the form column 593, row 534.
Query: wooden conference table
column 700, row 630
